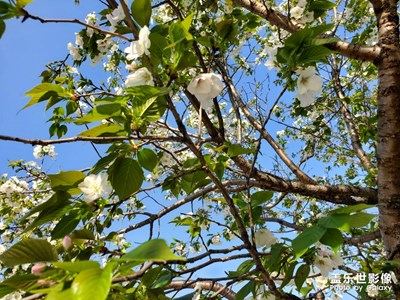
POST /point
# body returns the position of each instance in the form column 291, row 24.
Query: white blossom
column 264, row 237
column 78, row 39
column 139, row 47
column 308, row 86
column 74, row 51
column 116, row 16
column 372, row 290
column 216, row 239
column 95, row 186
column 296, row 12
column 326, row 260
column 141, row 76
column 205, row 87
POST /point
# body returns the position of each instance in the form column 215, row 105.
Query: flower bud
column 67, row 242
column 38, row 268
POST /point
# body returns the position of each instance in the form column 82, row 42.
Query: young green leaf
column 141, row 11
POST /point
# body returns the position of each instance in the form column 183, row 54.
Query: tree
column 276, row 124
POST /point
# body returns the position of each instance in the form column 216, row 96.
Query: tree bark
column 388, row 151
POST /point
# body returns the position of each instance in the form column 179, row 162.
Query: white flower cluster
column 308, row 86
column 299, row 13
column 95, row 186
column 39, row 151
column 115, row 17
column 326, row 260
column 137, row 49
column 13, row 185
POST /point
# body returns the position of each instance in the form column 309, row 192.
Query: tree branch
column 205, row 285
column 349, row 50
column 235, row 97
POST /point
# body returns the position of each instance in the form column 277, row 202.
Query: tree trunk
column 388, row 151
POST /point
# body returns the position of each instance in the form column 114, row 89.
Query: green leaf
column 29, row 251
column 58, row 294
column 155, row 250
column 260, row 197
column 245, row 290
column 333, row 238
column 77, row 266
column 147, row 111
column 83, row 234
column 126, row 177
column 100, row 112
column 301, row 275
column 104, row 163
column 237, row 149
column 351, row 208
column 274, row 259
column 46, row 91
column 227, row 30
column 163, row 280
column 345, row 222
column 65, row 181
column 92, row 284
column 146, row 91
column 21, row 281
column 141, row 11
column 319, row 7
column 307, row 238
column 65, row 226
column 108, row 129
column 147, row 158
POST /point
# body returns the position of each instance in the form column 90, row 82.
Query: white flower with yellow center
column 95, row 186
column 308, row 86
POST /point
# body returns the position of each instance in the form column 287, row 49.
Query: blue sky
column 25, row 50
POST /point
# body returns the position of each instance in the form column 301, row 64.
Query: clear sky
column 25, row 49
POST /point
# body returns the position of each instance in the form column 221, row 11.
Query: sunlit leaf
column 307, row 238
column 153, row 250
column 108, row 129
column 92, row 283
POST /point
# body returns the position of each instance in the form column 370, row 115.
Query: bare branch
column 27, row 15
column 235, row 97
column 108, row 139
